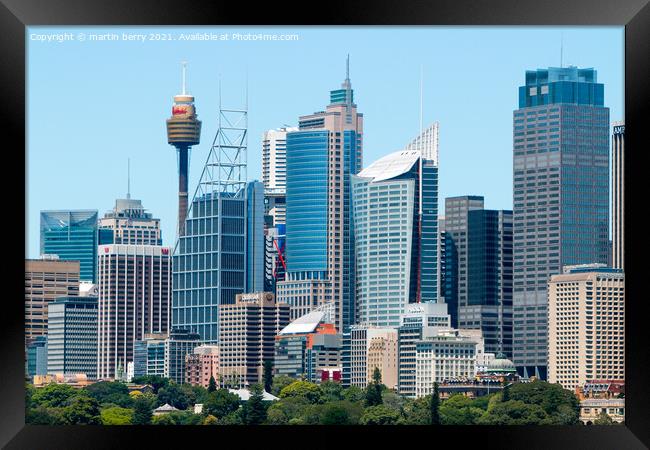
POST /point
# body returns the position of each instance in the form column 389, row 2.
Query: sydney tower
column 183, row 131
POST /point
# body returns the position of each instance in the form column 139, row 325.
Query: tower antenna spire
column 347, row 67
column 128, row 178
column 184, row 64
column 561, row 49
column 421, row 87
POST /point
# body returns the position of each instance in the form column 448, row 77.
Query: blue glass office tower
column 321, row 156
column 209, row 263
column 37, row 356
column 255, row 236
column 73, row 236
column 561, row 195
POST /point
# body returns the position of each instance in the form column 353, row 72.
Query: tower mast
column 183, row 131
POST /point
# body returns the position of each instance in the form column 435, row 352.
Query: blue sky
column 93, row 105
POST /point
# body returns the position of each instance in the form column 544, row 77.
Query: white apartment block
column 274, row 157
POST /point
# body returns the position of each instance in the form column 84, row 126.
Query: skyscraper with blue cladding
column 254, row 236
column 73, row 236
column 210, row 265
column 560, row 195
column 321, row 156
column 308, row 177
column 395, row 232
column 209, row 262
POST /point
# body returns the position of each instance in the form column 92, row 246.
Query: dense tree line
column 300, row 403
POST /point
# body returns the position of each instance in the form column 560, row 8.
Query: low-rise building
column 76, row 380
column 307, row 346
column 419, row 321
column 591, row 409
column 364, row 354
column 180, row 342
column 37, row 356
column 447, row 355
column 201, row 365
column 149, row 355
column 245, row 395
column 164, row 409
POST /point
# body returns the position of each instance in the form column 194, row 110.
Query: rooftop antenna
column 561, row 48
column 128, row 178
column 184, row 64
column 421, row 84
column 347, row 67
column 418, row 293
column 348, row 90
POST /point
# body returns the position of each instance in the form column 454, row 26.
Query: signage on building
column 619, row 129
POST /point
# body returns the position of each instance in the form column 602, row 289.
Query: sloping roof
column 391, row 165
column 165, row 408
column 245, row 394
column 304, row 324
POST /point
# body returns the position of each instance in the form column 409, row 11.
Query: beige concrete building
column 201, row 365
column 131, row 224
column 46, row 279
column 591, row 409
column 367, row 342
column 247, row 331
column 586, row 325
column 382, row 354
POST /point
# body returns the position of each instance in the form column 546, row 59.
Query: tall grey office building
column 561, row 195
column 478, row 270
column 618, row 190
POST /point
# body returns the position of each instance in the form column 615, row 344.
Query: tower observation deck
column 183, row 131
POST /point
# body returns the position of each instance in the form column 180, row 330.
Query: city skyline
column 383, row 134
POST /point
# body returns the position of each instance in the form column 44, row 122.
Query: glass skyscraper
column 395, row 230
column 321, row 156
column 255, row 236
column 478, row 260
column 73, row 236
column 209, row 263
column 561, row 195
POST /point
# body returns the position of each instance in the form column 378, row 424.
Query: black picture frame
column 15, row 15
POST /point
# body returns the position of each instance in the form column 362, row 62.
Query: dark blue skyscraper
column 254, row 236
column 73, row 236
column 478, row 260
column 561, row 195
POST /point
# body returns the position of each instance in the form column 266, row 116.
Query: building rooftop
column 501, row 364
column 304, row 324
column 245, row 394
column 165, row 408
column 391, row 166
